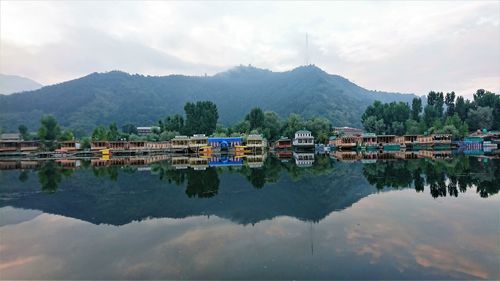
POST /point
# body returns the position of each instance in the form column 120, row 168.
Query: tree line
column 443, row 113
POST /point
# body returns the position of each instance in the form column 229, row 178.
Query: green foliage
column 113, row 133
column 481, row 118
column 460, row 115
column 450, row 103
column 416, row 108
column 201, row 118
column 173, row 123
column 49, row 131
column 386, row 118
column 256, row 118
column 100, row 134
column 66, row 135
column 129, row 129
column 23, row 130
column 168, row 135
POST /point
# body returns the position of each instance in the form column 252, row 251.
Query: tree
column 201, row 117
column 49, row 131
column 374, row 125
column 480, row 118
column 66, row 135
column 256, row 118
column 23, row 130
column 292, row 125
column 113, row 133
column 416, row 108
column 129, row 129
column 461, row 108
column 272, row 125
column 100, row 133
column 320, row 128
column 173, row 123
column 450, row 103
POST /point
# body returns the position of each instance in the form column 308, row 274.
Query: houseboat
column 180, row 143
column 303, row 139
column 441, row 141
column 283, row 143
column 225, row 144
column 388, row 142
column 369, row 141
column 255, row 142
column 346, row 142
column 423, row 142
column 196, row 142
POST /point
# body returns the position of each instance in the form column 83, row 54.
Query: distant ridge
column 102, row 98
column 10, row 84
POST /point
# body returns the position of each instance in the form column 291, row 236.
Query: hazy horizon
column 410, row 47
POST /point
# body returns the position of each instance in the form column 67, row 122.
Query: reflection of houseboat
column 283, row 143
column 283, row 155
column 303, row 139
column 388, row 142
column 180, row 143
column 197, row 142
column 303, row 159
column 180, row 162
column 198, row 163
column 225, row 161
column 435, row 154
column 346, row 156
column 255, row 161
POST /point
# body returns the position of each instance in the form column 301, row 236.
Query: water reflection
column 343, row 216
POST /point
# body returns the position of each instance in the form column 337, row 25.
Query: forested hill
column 102, row 98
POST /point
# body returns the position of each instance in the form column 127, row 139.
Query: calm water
column 398, row 219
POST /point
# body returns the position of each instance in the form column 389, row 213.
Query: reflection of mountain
column 136, row 197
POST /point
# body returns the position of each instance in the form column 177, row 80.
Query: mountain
column 102, row 98
column 12, row 84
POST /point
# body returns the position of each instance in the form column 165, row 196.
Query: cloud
column 408, row 47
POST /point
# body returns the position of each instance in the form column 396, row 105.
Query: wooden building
column 303, row 139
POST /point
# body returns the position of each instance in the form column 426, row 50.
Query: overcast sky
column 399, row 46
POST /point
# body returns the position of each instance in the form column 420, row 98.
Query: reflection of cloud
column 448, row 260
column 391, row 233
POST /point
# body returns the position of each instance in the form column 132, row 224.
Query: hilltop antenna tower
column 307, row 49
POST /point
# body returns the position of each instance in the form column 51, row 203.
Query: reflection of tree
column 111, row 171
column 23, row 176
column 202, row 183
column 50, row 175
column 168, row 173
column 444, row 177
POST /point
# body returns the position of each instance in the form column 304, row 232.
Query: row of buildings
column 391, row 142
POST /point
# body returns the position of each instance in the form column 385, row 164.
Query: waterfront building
column 303, row 139
column 144, row 131
column 180, row 143
column 198, row 141
column 283, row 143
column 347, row 131
column 225, row 143
column 255, row 142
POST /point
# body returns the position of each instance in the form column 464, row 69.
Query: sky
column 400, row 46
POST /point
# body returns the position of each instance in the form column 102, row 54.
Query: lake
column 234, row 218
